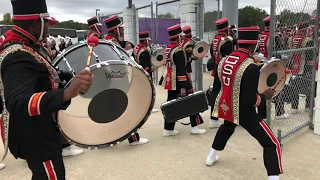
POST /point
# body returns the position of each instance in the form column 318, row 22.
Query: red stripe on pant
column 275, row 141
column 134, row 137
column 197, row 119
column 48, row 166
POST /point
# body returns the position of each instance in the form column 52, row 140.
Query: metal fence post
column 134, row 30
column 315, row 55
column 218, row 11
column 271, row 48
column 153, row 33
column 200, row 29
column 156, row 26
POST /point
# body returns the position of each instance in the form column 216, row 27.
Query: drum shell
column 158, row 56
column 77, row 126
column 200, row 49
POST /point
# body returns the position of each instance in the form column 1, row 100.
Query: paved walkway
column 183, row 157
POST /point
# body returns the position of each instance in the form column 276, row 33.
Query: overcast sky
column 81, row 10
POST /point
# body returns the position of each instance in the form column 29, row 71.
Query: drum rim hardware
column 126, row 134
column 113, row 143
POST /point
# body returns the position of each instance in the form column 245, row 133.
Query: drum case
column 183, row 107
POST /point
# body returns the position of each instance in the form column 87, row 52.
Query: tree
column 7, row 19
column 251, row 16
column 209, row 19
column 290, row 18
column 166, row 16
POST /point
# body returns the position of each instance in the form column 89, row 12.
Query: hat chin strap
column 119, row 37
column 95, row 26
column 42, row 27
column 256, row 48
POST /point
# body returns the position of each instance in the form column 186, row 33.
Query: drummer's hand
column 269, row 94
column 183, row 92
column 194, row 58
column 80, row 82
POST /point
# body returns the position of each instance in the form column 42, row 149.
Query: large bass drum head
column 272, row 76
column 118, row 102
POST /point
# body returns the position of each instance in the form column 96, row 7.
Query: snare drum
column 272, row 76
column 116, row 105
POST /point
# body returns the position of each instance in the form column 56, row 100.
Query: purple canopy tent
column 145, row 25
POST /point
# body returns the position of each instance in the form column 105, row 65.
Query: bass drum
column 118, row 103
column 272, row 76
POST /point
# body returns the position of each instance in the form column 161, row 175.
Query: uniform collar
column 245, row 51
column 26, row 36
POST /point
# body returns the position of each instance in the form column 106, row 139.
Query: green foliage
column 290, row 18
column 169, row 15
column 209, row 20
column 251, row 16
column 72, row 25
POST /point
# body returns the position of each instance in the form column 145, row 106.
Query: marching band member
column 69, row 42
column 263, row 48
column 222, row 45
column 33, row 93
column 95, row 27
column 187, row 45
column 115, row 34
column 236, row 102
column 176, row 80
column 62, row 44
column 142, row 52
column 233, row 33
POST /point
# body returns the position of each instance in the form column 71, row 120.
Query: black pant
column 64, row 142
column 261, row 132
column 48, row 170
column 195, row 119
column 134, row 137
column 211, row 117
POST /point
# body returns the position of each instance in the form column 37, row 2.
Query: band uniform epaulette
column 39, row 58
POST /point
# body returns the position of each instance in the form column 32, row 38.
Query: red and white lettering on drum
column 48, row 166
column 34, row 104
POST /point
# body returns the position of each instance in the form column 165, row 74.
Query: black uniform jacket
column 180, row 60
column 226, row 49
column 33, row 103
column 145, row 61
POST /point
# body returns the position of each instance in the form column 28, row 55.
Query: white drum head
column 158, row 58
column 118, row 102
column 272, row 76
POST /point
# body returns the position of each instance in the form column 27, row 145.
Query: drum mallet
column 93, row 41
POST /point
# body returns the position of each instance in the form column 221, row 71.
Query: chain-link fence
column 146, row 19
column 292, row 37
column 211, row 14
column 167, row 14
